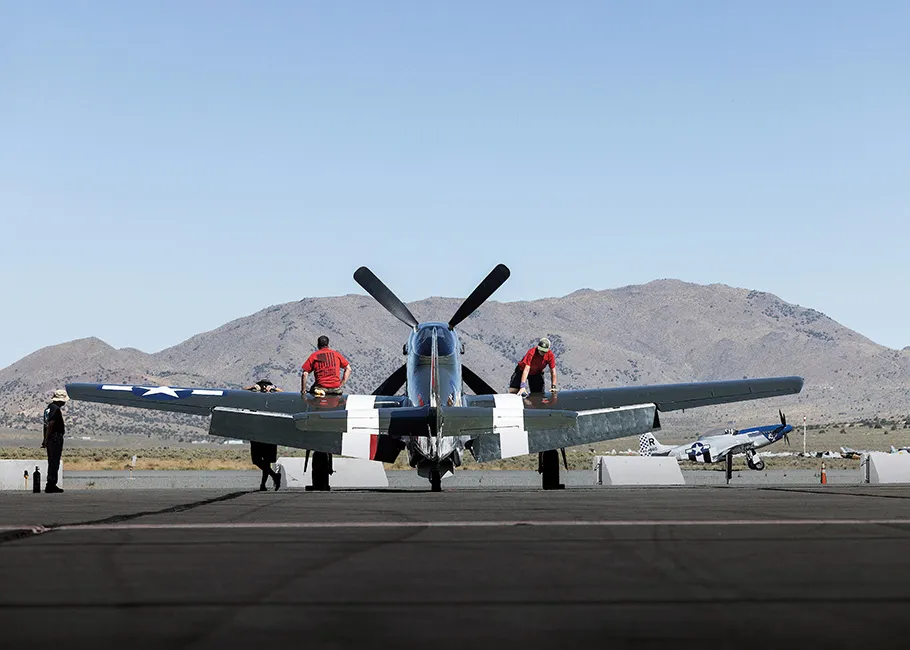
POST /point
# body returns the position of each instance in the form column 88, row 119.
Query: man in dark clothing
column 325, row 365
column 263, row 454
column 54, row 430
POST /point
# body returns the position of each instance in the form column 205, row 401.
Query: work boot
column 277, row 480
column 262, row 487
column 52, row 489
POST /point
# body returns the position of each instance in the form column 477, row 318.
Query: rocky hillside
column 664, row 331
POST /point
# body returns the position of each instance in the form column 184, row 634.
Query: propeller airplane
column 714, row 447
column 434, row 421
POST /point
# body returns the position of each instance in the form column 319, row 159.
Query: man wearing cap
column 263, row 454
column 528, row 375
column 54, row 429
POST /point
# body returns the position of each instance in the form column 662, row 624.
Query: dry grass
column 222, row 457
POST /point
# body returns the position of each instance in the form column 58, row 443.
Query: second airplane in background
column 714, row 447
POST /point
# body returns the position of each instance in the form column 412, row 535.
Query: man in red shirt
column 529, row 370
column 325, row 364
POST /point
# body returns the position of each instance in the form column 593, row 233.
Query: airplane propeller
column 475, row 383
column 484, row 290
column 393, row 382
column 384, row 296
column 783, row 424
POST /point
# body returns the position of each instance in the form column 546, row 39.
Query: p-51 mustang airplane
column 712, row 448
column 434, row 420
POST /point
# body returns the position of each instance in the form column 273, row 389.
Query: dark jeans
column 535, row 382
column 54, row 451
column 263, row 455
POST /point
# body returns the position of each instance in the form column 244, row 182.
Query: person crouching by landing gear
column 263, row 454
column 528, row 379
column 54, row 430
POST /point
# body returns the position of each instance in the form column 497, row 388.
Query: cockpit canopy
column 445, row 341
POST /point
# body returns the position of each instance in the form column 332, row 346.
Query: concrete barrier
column 12, row 474
column 637, row 470
column 349, row 472
column 879, row 467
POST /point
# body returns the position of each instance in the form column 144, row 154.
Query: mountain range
column 666, row 331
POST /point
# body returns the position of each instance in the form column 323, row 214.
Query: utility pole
column 804, row 435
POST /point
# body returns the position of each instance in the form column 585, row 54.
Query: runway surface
column 243, row 480
column 822, row 566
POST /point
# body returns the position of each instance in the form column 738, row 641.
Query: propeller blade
column 475, row 383
column 783, row 418
column 479, row 296
column 564, row 462
column 393, row 382
column 787, row 438
column 384, row 296
column 306, row 461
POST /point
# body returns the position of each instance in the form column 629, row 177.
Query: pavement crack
column 19, row 533
column 32, row 531
column 183, row 507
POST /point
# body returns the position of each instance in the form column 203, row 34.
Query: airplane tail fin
column 648, row 446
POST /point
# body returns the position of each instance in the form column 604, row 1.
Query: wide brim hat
column 60, row 396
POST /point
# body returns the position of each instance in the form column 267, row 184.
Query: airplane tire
column 759, row 466
column 549, row 470
column 321, row 471
column 435, row 481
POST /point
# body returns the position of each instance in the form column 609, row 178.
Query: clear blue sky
column 168, row 166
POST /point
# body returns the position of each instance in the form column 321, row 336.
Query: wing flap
column 282, row 429
column 404, row 421
column 537, row 432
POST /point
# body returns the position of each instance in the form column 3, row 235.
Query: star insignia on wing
column 164, row 391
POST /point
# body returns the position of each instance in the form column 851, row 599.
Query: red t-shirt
column 325, row 364
column 537, row 361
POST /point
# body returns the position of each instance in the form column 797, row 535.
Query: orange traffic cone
column 824, row 475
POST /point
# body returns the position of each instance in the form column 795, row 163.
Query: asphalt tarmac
column 738, row 567
column 496, row 479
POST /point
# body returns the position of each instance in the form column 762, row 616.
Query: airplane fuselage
column 714, row 448
column 434, row 379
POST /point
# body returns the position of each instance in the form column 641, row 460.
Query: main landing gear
column 322, row 468
column 754, row 461
column 548, row 468
column 435, row 480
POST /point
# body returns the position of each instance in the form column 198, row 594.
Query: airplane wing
column 377, row 433
column 201, row 401
column 666, row 397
